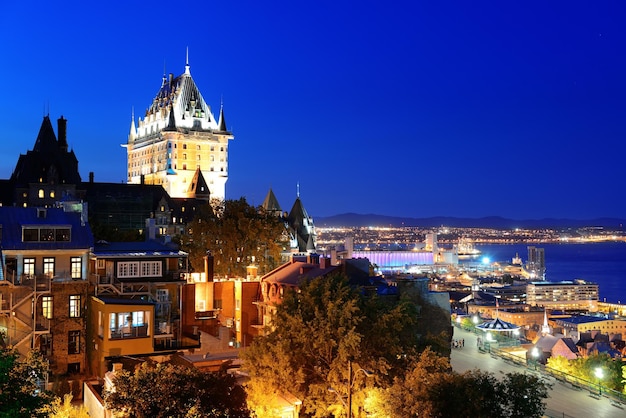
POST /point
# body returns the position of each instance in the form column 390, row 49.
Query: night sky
column 405, row 108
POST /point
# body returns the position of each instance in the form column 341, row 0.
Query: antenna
column 187, row 61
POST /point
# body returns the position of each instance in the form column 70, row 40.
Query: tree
column 20, row 378
column 237, row 234
column 522, row 395
column 480, row 394
column 409, row 394
column 64, row 408
column 320, row 330
column 166, row 390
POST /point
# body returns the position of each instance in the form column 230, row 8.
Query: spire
column 221, row 124
column 298, row 190
column 187, row 62
column 545, row 328
column 133, row 130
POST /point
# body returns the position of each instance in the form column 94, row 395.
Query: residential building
column 573, row 295
column 46, row 174
column 137, row 304
column 179, row 139
column 43, row 283
column 575, row 326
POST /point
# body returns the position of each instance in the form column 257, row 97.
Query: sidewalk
column 563, row 401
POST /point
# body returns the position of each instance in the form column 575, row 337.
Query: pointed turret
column 46, row 140
column 221, row 125
column 132, row 135
column 270, row 204
column 198, row 187
column 301, row 227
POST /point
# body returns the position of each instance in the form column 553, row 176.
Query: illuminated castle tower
column 179, row 144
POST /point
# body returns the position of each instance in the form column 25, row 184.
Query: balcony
column 126, row 332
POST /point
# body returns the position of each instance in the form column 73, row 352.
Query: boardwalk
column 564, row 401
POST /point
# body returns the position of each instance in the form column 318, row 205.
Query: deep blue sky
column 406, row 108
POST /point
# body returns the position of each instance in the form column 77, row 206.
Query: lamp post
column 351, row 375
column 599, row 372
column 535, row 355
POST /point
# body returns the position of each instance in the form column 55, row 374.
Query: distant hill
column 495, row 222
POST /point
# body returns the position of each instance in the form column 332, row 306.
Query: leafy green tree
column 20, row 377
column 237, row 234
column 318, row 332
column 584, row 368
column 166, row 390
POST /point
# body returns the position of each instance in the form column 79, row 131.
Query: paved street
column 564, row 401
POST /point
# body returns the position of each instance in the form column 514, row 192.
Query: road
column 563, row 402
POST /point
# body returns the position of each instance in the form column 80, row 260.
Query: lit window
column 29, row 266
column 74, row 306
column 52, row 194
column 46, row 306
column 41, row 193
column 76, row 266
column 48, row 266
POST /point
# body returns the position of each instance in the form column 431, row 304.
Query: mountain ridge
column 351, row 219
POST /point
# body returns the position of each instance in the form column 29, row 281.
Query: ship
column 465, row 249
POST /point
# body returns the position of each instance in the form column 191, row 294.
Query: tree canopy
column 170, row 391
column 20, row 390
column 327, row 329
column 318, row 332
column 237, row 234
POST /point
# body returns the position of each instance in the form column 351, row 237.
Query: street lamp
column 351, row 375
column 535, row 355
column 599, row 372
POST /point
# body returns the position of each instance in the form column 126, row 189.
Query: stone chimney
column 62, row 128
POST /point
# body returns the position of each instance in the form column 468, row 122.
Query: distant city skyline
column 404, row 109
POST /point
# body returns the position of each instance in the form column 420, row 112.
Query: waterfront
column 603, row 263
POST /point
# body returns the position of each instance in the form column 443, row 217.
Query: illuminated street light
column 599, row 372
column 535, row 355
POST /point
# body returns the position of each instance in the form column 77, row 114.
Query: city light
column 599, row 372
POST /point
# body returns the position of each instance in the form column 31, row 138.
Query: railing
column 139, row 331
